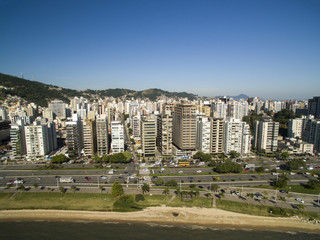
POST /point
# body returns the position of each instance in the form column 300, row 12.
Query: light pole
column 98, row 182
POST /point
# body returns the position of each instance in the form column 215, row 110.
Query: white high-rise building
column 37, row 140
column 236, row 136
column 203, row 134
column 266, row 135
column 117, row 137
column 295, row 127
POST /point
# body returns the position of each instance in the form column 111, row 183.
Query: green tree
column 124, row 202
column 166, row 191
column 101, row 188
column 228, row 167
column 281, row 182
column 284, row 155
column 117, row 189
column 128, row 156
column 139, row 197
column 59, row 159
column 62, row 189
column 295, row 164
column 73, row 188
column 159, row 182
column 21, row 187
column 145, row 188
column 214, row 187
column 260, row 169
column 36, row 185
column 234, row 154
column 206, row 158
column 171, row 183
column 97, row 159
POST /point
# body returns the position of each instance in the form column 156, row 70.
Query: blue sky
column 266, row 48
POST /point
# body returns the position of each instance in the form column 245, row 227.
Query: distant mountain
column 41, row 93
column 237, row 98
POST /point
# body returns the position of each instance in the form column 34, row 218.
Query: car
column 180, row 172
column 103, row 177
column 190, row 178
column 1, row 177
column 299, row 200
column 88, row 179
column 200, row 186
column 199, row 171
column 283, row 191
column 18, row 182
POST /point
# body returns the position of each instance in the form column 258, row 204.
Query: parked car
column 180, row 172
column 199, row 171
column 299, row 200
column 283, row 191
column 88, row 179
column 104, row 177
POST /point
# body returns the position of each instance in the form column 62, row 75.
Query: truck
column 66, row 180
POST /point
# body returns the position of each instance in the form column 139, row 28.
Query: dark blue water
column 43, row 230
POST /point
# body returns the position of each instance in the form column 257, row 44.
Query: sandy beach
column 169, row 215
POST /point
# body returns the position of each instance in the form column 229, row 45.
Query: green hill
column 41, row 94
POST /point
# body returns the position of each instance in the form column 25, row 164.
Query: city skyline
column 267, row 49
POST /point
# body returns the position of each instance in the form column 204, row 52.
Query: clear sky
column 265, row 48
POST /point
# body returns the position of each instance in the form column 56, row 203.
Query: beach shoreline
column 169, row 216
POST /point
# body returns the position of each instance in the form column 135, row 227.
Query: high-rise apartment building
column 185, row 126
column 266, row 135
column 117, row 137
column 148, row 132
column 37, row 140
column 58, row 108
column 217, row 136
column 102, row 135
column 204, row 134
column 236, row 136
column 295, row 127
column 74, row 136
column 17, row 138
column 136, row 126
column 164, row 133
column 311, row 133
column 314, row 107
column 89, row 137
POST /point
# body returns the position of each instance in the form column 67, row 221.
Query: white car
column 103, row 177
column 199, row 171
column 299, row 200
column 180, row 172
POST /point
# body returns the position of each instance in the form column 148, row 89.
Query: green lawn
column 194, row 202
column 260, row 210
column 292, row 188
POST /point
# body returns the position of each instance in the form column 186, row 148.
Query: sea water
column 82, row 230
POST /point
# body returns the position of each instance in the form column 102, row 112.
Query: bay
column 81, row 230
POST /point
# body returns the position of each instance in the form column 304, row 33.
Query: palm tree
column 36, row 185
column 145, row 188
column 62, row 190
column 166, row 191
column 74, row 188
